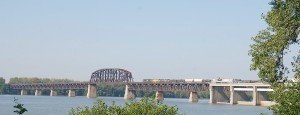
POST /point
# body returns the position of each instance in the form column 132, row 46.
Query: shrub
column 146, row 106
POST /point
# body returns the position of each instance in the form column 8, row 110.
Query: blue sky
column 153, row 39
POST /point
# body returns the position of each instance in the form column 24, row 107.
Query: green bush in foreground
column 146, row 106
column 20, row 107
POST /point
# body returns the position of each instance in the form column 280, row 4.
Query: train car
column 177, row 81
column 250, row 81
column 155, row 80
column 147, row 80
column 163, row 80
column 189, row 80
column 151, row 80
column 197, row 80
column 221, row 80
column 206, row 80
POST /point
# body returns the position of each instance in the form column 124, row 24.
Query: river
column 60, row 105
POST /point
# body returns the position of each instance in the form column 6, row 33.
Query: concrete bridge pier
column 129, row 94
column 71, row 93
column 217, row 94
column 159, row 96
column 193, row 97
column 254, row 96
column 53, row 92
column 211, row 95
column 23, row 92
column 232, row 97
column 240, row 93
column 92, row 91
column 38, row 92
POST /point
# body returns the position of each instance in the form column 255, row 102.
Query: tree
column 146, row 106
column 269, row 49
column 20, row 107
column 2, row 84
column 18, row 80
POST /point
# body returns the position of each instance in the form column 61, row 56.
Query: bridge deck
column 169, row 86
column 75, row 85
column 160, row 86
column 241, row 84
column 150, row 86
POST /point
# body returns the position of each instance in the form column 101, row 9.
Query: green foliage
column 174, row 94
column 268, row 51
column 287, row 98
column 204, row 94
column 25, row 80
column 7, row 89
column 271, row 44
column 116, row 90
column 2, row 84
column 146, row 106
column 20, row 80
column 20, row 109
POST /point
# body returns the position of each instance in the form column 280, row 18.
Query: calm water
column 60, row 105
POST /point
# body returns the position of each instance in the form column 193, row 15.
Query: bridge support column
column 211, row 95
column 129, row 94
column 159, row 96
column 23, row 92
column 254, row 96
column 38, row 92
column 193, row 97
column 232, row 97
column 53, row 92
column 92, row 91
column 71, row 93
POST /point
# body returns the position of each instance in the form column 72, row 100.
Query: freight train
column 176, row 80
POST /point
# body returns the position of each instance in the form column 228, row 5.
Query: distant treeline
column 116, row 90
column 20, row 80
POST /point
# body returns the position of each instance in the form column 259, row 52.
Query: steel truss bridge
column 122, row 76
column 117, row 76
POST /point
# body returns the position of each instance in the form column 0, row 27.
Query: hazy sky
column 153, row 39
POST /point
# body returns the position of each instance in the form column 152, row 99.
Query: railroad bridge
column 121, row 76
column 114, row 76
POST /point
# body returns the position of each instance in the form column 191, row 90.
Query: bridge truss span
column 111, row 75
column 74, row 85
column 187, row 87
